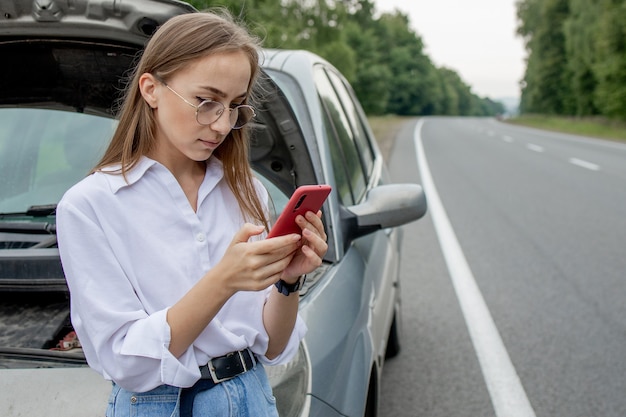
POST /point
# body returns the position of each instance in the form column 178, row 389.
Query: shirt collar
column 117, row 181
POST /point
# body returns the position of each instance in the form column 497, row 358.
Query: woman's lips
column 210, row 144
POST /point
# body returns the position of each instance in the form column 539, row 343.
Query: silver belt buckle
column 243, row 361
column 214, row 377
column 213, row 374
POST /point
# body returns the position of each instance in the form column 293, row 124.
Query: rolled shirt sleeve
column 120, row 339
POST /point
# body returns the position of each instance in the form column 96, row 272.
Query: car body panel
column 36, row 392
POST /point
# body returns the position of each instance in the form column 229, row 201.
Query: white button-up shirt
column 130, row 250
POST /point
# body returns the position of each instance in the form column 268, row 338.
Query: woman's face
column 180, row 138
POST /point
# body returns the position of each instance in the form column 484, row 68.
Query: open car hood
column 74, row 53
column 74, row 56
column 111, row 20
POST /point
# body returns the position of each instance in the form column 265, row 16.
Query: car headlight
column 291, row 384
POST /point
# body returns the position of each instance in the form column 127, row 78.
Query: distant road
column 540, row 219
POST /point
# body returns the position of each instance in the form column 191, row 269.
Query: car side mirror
column 389, row 205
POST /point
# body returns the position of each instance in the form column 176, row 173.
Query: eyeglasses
column 209, row 111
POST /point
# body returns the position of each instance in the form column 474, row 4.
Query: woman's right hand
column 255, row 265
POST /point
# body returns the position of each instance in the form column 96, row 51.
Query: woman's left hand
column 313, row 247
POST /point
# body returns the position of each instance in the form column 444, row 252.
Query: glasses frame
column 219, row 112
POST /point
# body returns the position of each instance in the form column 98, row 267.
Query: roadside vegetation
column 594, row 127
column 576, row 58
column 575, row 78
column 385, row 129
column 379, row 54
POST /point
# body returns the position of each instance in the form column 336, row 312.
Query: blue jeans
column 247, row 395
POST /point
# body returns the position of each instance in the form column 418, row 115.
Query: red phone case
column 305, row 198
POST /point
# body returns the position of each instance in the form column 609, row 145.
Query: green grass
column 594, row 127
column 385, row 129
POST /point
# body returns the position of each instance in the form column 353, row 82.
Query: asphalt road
column 540, row 220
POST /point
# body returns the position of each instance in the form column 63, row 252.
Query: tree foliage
column 576, row 57
column 381, row 56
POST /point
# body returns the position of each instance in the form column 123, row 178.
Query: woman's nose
column 222, row 124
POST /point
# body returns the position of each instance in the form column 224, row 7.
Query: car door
column 358, row 167
column 380, row 250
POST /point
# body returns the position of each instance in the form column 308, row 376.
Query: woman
column 171, row 279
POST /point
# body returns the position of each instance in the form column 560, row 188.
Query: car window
column 356, row 122
column 342, row 180
column 346, row 157
column 44, row 152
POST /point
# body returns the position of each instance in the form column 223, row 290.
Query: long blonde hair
column 178, row 42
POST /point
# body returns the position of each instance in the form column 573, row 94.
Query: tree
column 382, row 57
column 580, row 30
column 372, row 75
column 413, row 86
column 610, row 62
column 546, row 81
column 576, row 56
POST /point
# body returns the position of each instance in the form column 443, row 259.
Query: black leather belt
column 228, row 366
column 217, row 370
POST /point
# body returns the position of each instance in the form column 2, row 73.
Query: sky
column 475, row 38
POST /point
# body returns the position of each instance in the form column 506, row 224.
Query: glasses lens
column 240, row 116
column 209, row 112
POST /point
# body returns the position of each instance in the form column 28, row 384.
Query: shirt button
column 133, row 400
column 200, row 237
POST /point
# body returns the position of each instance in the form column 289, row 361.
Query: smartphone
column 305, row 198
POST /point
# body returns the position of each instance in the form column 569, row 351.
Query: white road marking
column 505, row 388
column 535, row 148
column 584, row 164
column 507, row 139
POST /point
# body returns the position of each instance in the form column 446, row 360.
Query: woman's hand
column 246, row 266
column 280, row 312
column 313, row 247
column 255, row 265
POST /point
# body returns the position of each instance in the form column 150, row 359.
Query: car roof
column 298, row 63
column 280, row 59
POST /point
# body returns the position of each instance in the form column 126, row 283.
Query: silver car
column 63, row 68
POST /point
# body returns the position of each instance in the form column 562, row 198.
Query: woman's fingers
column 312, row 222
column 315, row 242
column 255, row 265
column 313, row 232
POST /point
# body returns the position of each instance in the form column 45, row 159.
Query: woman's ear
column 148, row 87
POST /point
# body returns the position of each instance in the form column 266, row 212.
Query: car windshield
column 44, row 152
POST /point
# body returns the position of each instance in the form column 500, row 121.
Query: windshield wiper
column 25, row 227
column 77, row 357
column 41, row 210
column 8, row 225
